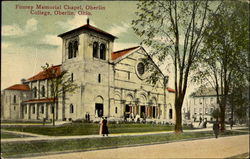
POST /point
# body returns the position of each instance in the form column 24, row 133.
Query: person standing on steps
column 216, row 128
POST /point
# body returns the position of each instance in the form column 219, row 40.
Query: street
column 206, row 148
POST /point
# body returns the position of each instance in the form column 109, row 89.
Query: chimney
column 88, row 21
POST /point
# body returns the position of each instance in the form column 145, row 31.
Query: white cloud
column 75, row 22
column 120, row 46
column 52, row 40
column 31, row 25
column 12, row 30
column 118, row 29
column 16, row 30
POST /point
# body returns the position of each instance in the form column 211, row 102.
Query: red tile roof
column 170, row 90
column 21, row 87
column 42, row 75
column 46, row 100
column 88, row 27
column 120, row 53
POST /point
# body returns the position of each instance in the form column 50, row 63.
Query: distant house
column 202, row 103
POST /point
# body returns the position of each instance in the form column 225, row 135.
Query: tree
column 238, row 103
column 215, row 113
column 173, row 29
column 223, row 62
column 59, row 82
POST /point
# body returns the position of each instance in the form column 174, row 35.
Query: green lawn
column 5, row 135
column 43, row 147
column 89, row 129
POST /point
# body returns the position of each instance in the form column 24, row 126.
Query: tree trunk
column 53, row 120
column 178, row 118
column 222, row 117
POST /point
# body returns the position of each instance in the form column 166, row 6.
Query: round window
column 140, row 68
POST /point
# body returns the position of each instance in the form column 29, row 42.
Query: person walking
column 105, row 130
column 231, row 123
column 200, row 121
column 216, row 128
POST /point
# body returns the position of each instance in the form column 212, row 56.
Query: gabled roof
column 46, row 100
column 20, row 87
column 115, row 55
column 88, row 27
column 121, row 54
column 205, row 92
column 42, row 75
column 170, row 90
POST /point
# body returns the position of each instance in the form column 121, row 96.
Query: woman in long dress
column 101, row 126
column 105, row 130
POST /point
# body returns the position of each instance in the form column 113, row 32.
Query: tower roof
column 90, row 28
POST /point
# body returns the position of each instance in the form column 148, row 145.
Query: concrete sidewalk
column 206, row 148
column 36, row 137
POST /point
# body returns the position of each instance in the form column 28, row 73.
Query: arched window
column 43, row 91
column 70, row 50
column 170, row 113
column 42, row 109
column 35, row 92
column 14, row 99
column 71, row 109
column 102, row 52
column 52, row 109
column 95, row 49
column 33, row 109
column 72, row 77
column 75, row 48
column 115, row 110
column 99, row 78
column 52, row 90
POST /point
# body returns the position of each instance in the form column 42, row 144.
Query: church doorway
column 142, row 111
column 99, row 109
column 154, row 112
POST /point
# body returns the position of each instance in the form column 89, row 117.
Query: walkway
column 206, row 148
column 36, row 137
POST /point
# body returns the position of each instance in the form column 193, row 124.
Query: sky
column 29, row 41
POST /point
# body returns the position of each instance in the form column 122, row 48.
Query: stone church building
column 111, row 84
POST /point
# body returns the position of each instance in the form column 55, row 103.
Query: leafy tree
column 216, row 113
column 238, row 103
column 173, row 29
column 223, row 62
column 59, row 82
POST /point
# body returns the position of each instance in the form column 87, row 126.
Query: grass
column 89, row 129
column 43, row 147
column 5, row 135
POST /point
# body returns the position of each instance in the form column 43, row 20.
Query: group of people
column 135, row 118
column 104, row 127
column 87, row 117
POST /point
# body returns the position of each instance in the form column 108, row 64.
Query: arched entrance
column 99, row 106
